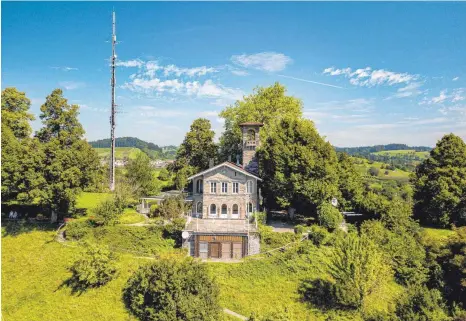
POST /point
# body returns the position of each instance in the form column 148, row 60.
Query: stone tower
column 251, row 141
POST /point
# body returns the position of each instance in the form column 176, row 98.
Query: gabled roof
column 228, row 164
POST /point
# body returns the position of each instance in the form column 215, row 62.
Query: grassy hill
column 120, row 152
column 363, row 166
column 402, row 153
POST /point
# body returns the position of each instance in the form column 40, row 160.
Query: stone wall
column 254, row 246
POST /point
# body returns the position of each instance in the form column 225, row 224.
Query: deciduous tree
column 69, row 163
column 266, row 105
column 440, row 184
column 173, row 289
column 299, row 168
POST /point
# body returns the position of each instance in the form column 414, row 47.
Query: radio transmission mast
column 112, row 116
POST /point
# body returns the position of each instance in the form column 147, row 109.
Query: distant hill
column 366, row 150
column 400, row 156
column 152, row 150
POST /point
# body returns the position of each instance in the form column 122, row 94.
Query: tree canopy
column 440, row 184
column 173, row 289
column 70, row 163
column 265, row 105
column 198, row 146
column 299, row 168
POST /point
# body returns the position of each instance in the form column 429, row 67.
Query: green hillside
column 402, row 153
column 363, row 166
column 120, row 152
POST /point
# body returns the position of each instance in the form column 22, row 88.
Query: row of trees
column 54, row 165
column 301, row 170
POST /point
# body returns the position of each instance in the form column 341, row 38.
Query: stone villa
column 223, row 199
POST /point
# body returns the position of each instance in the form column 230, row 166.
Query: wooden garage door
column 214, row 250
column 237, row 250
column 226, row 250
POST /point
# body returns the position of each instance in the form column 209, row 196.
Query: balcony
column 250, row 143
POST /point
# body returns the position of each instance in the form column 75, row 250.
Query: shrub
column 173, row 289
column 108, row 211
column 318, row 235
column 172, row 207
column 301, row 229
column 96, row 267
column 374, row 171
column 164, row 175
column 329, row 216
column 77, row 230
column 153, row 209
column 319, row 292
column 359, row 270
column 174, row 229
column 420, row 303
column 272, row 240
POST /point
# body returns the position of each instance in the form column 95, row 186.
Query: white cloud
column 130, row 63
column 210, row 89
column 265, row 61
column 238, row 72
column 190, row 72
column 70, row 85
column 456, row 78
column 369, row 77
column 445, row 96
column 409, row 90
column 65, row 68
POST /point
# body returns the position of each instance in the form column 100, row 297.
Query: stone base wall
column 254, row 246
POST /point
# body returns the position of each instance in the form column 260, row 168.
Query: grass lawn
column 363, row 167
column 130, row 216
column 436, row 234
column 35, row 267
column 90, row 200
column 120, row 152
column 395, row 153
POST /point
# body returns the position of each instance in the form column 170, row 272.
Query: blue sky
column 368, row 73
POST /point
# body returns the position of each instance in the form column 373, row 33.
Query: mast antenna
column 113, row 109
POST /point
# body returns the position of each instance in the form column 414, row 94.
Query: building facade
column 223, row 200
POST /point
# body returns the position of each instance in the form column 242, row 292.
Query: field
column 35, row 269
column 363, row 166
column 120, row 152
column 401, row 153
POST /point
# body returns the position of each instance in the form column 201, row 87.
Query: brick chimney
column 251, row 141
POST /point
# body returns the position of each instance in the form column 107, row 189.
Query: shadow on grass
column 77, row 288
column 15, row 228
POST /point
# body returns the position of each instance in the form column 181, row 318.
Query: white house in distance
column 223, row 199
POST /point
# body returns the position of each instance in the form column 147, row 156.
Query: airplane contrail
column 313, row 82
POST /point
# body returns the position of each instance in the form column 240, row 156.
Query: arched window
column 224, row 211
column 251, row 134
column 213, row 210
column 235, row 209
column 199, row 186
column 199, row 208
column 250, row 208
column 249, row 188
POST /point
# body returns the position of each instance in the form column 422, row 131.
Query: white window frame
column 233, row 214
column 197, row 209
column 223, row 215
column 210, row 211
column 213, row 187
column 199, row 186
column 224, row 190
column 235, row 188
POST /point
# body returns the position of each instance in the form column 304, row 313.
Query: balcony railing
column 250, row 143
